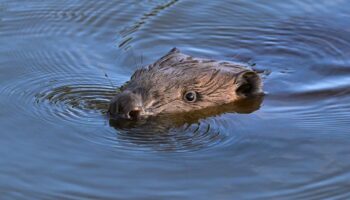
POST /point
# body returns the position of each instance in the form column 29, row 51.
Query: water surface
column 61, row 62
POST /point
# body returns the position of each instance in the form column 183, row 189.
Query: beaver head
column 178, row 83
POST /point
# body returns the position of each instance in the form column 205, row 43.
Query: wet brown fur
column 160, row 87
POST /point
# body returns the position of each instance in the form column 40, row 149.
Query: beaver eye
column 190, row 96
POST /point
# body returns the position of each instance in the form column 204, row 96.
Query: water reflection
column 182, row 132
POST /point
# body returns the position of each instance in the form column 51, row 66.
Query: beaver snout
column 126, row 105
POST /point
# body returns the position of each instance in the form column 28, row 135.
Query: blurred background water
column 61, row 62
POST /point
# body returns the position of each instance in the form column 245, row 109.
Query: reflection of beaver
column 178, row 83
column 186, row 131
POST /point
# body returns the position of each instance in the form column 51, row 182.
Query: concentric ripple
column 77, row 103
column 58, row 98
column 159, row 134
column 153, row 136
column 54, row 96
column 185, row 132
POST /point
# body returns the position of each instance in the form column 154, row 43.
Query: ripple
column 185, row 132
column 314, row 104
column 70, row 100
column 54, row 98
column 80, row 103
column 333, row 186
column 294, row 40
column 50, row 77
column 66, row 18
column 161, row 135
column 127, row 32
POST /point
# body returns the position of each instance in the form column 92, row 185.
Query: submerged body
column 178, row 83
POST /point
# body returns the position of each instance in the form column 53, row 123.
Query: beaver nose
column 126, row 105
column 135, row 113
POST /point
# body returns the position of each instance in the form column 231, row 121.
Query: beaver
column 180, row 83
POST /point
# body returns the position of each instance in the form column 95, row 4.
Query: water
column 61, row 62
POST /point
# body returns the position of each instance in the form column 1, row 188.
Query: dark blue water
column 61, row 62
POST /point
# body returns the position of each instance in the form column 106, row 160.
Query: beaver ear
column 170, row 53
column 174, row 50
column 173, row 55
column 248, row 83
